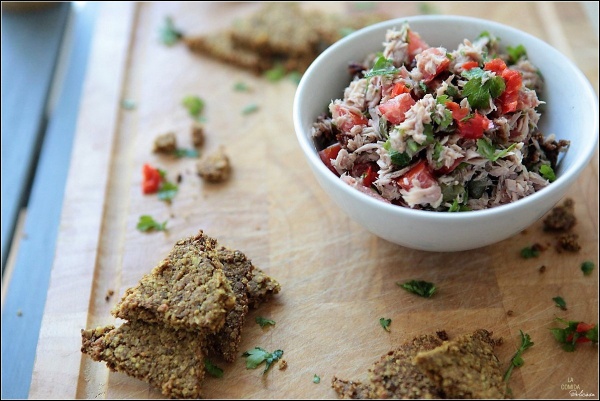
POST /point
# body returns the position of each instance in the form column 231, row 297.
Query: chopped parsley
column 517, row 360
column 128, row 104
column 530, row 252
column 194, row 106
column 382, row 66
column 241, row 87
column 399, row 159
column 487, row 150
column 263, row 322
column 147, row 223
column 385, row 323
column 575, row 333
column 182, row 152
column 515, row 53
column 316, row 379
column 587, row 267
column 255, row 357
column 547, row 172
column 249, row 109
column 276, row 73
column 167, row 190
column 427, row 8
column 478, row 92
column 213, row 369
column 419, row 287
column 169, row 35
column 560, row 302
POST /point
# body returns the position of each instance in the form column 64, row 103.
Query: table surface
column 44, row 234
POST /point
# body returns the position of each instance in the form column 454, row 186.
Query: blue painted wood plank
column 26, row 296
column 30, row 46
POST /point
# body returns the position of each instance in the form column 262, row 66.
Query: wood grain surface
column 337, row 279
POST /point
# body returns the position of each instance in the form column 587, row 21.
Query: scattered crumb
column 542, row 268
column 179, row 178
column 109, row 294
column 442, row 335
column 283, row 364
column 215, row 167
column 568, row 242
column 197, row 134
column 510, row 312
column 538, row 247
column 165, row 143
column 561, row 218
column 19, row 312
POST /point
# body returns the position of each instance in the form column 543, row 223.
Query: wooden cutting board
column 337, row 279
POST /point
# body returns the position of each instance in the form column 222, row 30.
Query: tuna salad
column 443, row 130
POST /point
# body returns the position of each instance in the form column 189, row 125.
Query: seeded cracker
column 261, row 288
column 186, row 290
column 465, row 367
column 394, row 375
column 171, row 360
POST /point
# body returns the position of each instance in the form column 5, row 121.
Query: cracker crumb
column 442, row 335
column 215, row 167
column 542, row 268
column 510, row 312
column 568, row 242
column 109, row 294
column 283, row 364
column 198, row 134
column 165, row 143
column 561, row 218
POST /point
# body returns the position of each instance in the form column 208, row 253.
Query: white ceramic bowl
column 571, row 113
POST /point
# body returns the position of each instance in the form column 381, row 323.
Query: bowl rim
column 563, row 181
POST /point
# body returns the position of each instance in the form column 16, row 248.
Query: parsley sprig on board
column 256, row 356
column 517, row 360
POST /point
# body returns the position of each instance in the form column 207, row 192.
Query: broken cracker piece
column 214, row 167
column 170, row 360
column 261, row 288
column 187, row 290
column 465, row 367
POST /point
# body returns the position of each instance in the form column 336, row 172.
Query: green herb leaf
column 419, row 287
column 128, row 104
column 587, row 267
column 530, row 252
column 194, row 106
column 517, row 359
column 255, row 357
column 515, row 53
column 397, row 158
column 276, row 73
column 147, row 223
column 560, row 302
column 427, row 8
column 213, row 369
column 264, row 322
column 547, row 172
column 295, row 77
column 316, row 379
column 385, row 323
column 487, row 150
column 167, row 191
column 241, row 87
column 382, row 66
column 169, row 35
column 249, row 109
column 479, row 93
column 182, row 152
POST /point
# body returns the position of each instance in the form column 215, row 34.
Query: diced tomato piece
column 496, row 65
column 446, row 170
column 421, row 173
column 347, row 119
column 415, row 44
column 508, row 100
column 584, row 327
column 152, row 179
column 329, row 153
column 399, row 88
column 368, row 172
column 471, row 128
column 394, row 109
column 470, row 65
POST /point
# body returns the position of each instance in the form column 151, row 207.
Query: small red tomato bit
column 152, row 179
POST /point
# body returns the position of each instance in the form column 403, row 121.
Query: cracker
column 261, row 288
column 170, row 360
column 187, row 290
column 465, row 367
